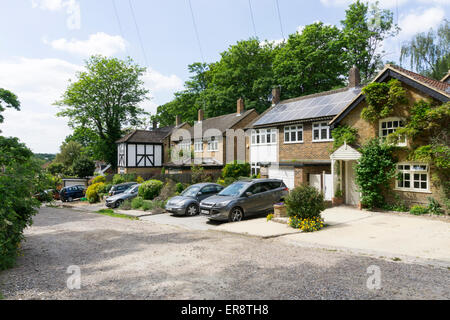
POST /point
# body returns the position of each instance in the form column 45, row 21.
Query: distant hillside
column 45, row 156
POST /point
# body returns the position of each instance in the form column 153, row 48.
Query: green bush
column 93, row 192
column 304, row 202
column 434, row 207
column 106, row 187
column 179, row 187
column 147, row 205
column 150, row 189
column 83, row 166
column 126, row 205
column 99, row 179
column 236, row 170
column 137, row 203
column 121, row 178
column 418, row 210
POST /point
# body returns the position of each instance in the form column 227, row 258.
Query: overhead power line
column 138, row 34
column 196, row 31
column 279, row 19
column 253, row 20
column 119, row 24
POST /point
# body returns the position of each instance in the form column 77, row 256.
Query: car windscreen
column 132, row 189
column 234, row 189
column 191, row 191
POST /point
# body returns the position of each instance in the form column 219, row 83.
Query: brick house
column 292, row 139
column 211, row 143
column 416, row 185
column 144, row 151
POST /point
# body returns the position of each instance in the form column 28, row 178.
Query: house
column 212, row 142
column 144, row 151
column 416, row 184
column 292, row 139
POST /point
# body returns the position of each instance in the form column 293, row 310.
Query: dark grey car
column 188, row 201
column 116, row 200
column 244, row 198
column 119, row 188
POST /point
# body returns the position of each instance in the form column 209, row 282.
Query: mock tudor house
column 292, row 139
column 208, row 142
column 144, row 151
column 415, row 185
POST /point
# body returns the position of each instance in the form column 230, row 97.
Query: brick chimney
column 177, row 120
column 354, row 78
column 240, row 106
column 276, row 94
column 200, row 115
column 155, row 124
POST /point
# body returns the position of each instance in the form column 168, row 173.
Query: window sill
column 262, row 144
column 295, row 142
column 413, row 190
column 315, row 141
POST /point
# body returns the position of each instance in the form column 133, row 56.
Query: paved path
column 132, row 259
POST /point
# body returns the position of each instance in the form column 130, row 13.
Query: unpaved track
column 124, row 259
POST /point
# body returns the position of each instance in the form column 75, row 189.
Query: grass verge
column 111, row 213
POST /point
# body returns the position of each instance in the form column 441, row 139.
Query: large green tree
column 69, row 152
column 311, row 61
column 7, row 100
column 429, row 52
column 105, row 98
column 365, row 28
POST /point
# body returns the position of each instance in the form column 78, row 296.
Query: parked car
column 243, row 199
column 47, row 194
column 71, row 193
column 116, row 200
column 120, row 188
column 187, row 203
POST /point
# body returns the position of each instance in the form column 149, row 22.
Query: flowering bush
column 306, row 225
column 92, row 193
column 99, row 179
column 269, row 217
column 150, row 189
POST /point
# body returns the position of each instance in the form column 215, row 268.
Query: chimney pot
column 200, row 115
column 354, row 78
column 240, row 106
column 276, row 94
column 177, row 120
column 155, row 124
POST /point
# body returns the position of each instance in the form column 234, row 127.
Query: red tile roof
column 435, row 84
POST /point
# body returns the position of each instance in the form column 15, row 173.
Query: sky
column 43, row 43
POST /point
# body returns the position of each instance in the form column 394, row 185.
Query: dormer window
column 390, row 125
column 213, row 144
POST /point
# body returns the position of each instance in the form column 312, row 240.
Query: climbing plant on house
column 381, row 98
column 344, row 134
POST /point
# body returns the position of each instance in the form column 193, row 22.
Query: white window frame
column 185, row 145
column 198, row 146
column 320, row 127
column 255, row 168
column 412, row 169
column 261, row 136
column 293, row 129
column 387, row 120
column 213, row 145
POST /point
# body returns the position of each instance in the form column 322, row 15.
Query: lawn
column 111, row 213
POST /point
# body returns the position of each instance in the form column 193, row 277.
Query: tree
column 311, row 61
column 7, row 100
column 69, row 152
column 365, row 28
column 83, row 167
column 105, row 98
column 429, row 53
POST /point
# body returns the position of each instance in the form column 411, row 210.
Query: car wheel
column 192, row 210
column 236, row 215
column 118, row 203
column 70, row 199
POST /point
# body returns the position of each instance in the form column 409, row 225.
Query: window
column 413, row 177
column 198, row 146
column 293, row 134
column 185, row 145
column 255, row 168
column 390, row 125
column 321, row 132
column 264, row 136
column 213, row 145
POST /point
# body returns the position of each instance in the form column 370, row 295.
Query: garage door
column 285, row 174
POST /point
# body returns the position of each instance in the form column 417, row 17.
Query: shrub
column 150, row 189
column 126, row 205
column 434, row 207
column 198, row 174
column 92, row 193
column 269, row 217
column 121, row 178
column 304, row 202
column 83, row 166
column 418, row 210
column 106, row 187
column 236, row 170
column 99, row 179
column 168, row 191
column 147, row 205
column 307, row 225
column 179, row 187
column 225, row 182
column 137, row 202
column 139, row 179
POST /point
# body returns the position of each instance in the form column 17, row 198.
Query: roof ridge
column 318, row 94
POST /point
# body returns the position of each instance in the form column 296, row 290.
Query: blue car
column 71, row 193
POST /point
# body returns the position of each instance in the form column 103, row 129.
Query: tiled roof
column 147, row 136
column 435, row 84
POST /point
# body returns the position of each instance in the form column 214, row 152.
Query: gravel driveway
column 125, row 259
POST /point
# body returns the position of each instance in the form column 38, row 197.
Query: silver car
column 187, row 202
column 116, row 200
column 244, row 198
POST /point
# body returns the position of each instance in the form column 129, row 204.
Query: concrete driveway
column 382, row 234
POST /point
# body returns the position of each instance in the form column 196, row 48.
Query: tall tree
column 365, row 28
column 69, row 152
column 429, row 52
column 105, row 98
column 311, row 61
column 7, row 100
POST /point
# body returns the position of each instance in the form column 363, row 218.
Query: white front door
column 351, row 189
column 285, row 174
column 315, row 180
column 328, row 186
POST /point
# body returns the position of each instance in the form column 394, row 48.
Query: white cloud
column 385, row 4
column 98, row 43
column 416, row 21
column 40, row 82
column 72, row 8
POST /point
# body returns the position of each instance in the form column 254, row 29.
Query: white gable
column 345, row 152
